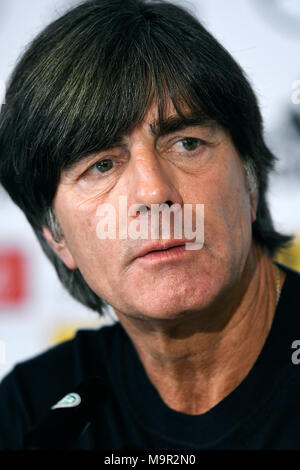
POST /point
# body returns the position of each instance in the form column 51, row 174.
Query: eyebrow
column 176, row 123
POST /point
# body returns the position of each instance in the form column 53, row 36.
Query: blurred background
column 264, row 37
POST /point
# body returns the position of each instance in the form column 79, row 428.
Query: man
column 136, row 100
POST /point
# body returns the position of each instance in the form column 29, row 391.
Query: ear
column 60, row 248
column 253, row 205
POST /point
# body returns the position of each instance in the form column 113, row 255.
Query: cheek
column 87, row 249
column 80, row 230
column 227, row 211
column 232, row 219
column 98, row 262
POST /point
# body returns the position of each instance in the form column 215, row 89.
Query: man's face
column 197, row 164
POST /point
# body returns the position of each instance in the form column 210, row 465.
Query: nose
column 150, row 180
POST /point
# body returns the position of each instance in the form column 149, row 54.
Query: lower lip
column 172, row 254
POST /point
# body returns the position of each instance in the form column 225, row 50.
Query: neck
column 199, row 358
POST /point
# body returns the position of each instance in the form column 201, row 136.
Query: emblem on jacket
column 69, row 401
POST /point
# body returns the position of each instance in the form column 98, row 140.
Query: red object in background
column 12, row 276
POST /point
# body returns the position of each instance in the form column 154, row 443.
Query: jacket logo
column 69, row 401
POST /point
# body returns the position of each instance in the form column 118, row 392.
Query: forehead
column 152, row 113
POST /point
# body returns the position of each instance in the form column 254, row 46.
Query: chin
column 171, row 307
column 169, row 296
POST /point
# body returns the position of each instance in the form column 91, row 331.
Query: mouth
column 162, row 252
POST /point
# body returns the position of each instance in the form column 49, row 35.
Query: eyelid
column 177, row 140
column 186, row 133
column 105, row 154
column 93, row 166
column 105, row 157
column 202, row 141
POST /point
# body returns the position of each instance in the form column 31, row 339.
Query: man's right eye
column 103, row 166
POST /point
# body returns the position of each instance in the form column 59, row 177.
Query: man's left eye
column 189, row 143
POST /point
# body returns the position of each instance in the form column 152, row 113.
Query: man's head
column 93, row 85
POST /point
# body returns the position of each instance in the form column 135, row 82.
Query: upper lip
column 159, row 245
